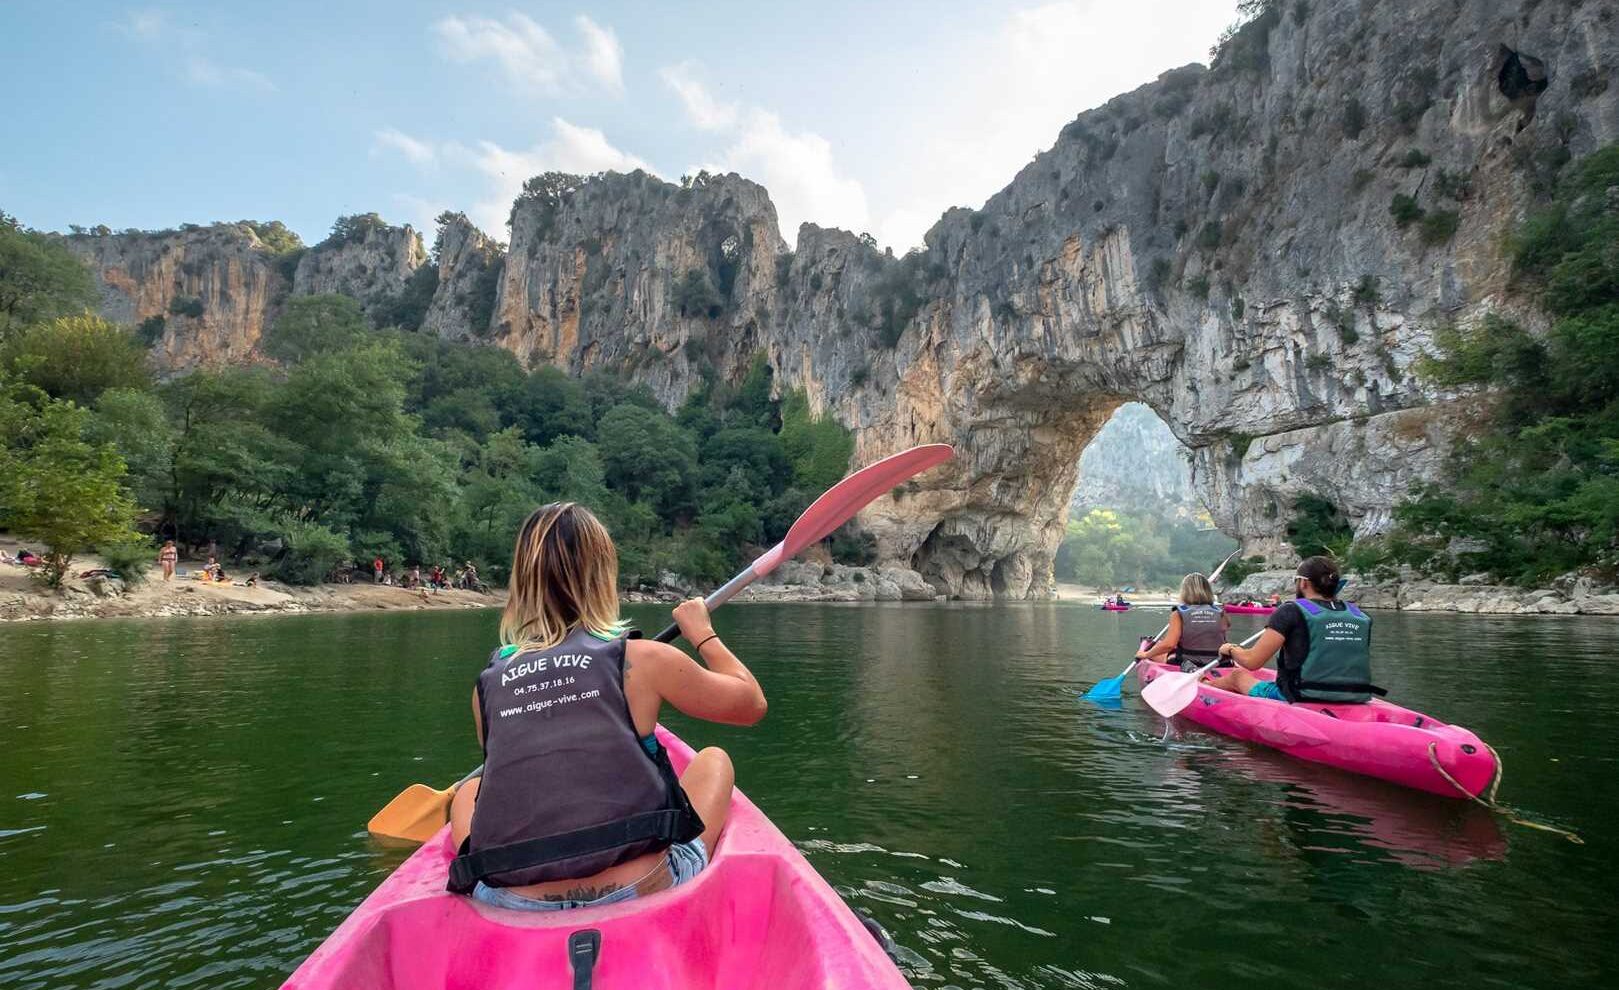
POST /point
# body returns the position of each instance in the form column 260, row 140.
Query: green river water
column 182, row 802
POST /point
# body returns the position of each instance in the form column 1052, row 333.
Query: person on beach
column 578, row 804
column 1197, row 627
column 167, row 558
column 376, row 571
column 1324, row 646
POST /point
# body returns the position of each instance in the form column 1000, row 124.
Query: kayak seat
column 757, row 917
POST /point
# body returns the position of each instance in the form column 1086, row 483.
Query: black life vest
column 568, row 787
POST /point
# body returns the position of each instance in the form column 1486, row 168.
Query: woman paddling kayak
column 1197, row 627
column 578, row 804
column 1325, row 646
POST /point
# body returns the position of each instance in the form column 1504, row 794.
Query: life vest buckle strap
column 1341, row 686
column 665, row 825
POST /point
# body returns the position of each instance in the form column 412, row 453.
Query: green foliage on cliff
column 39, row 278
column 1536, row 493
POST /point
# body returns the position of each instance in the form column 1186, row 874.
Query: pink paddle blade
column 843, row 500
column 1169, row 694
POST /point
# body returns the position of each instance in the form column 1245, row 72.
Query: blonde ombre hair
column 1196, row 590
column 564, row 577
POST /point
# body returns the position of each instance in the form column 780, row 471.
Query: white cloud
column 147, row 24
column 602, row 58
column 206, row 72
column 571, row 148
column 415, row 150
column 797, row 168
column 1010, row 100
column 153, row 27
column 531, row 58
column 702, row 109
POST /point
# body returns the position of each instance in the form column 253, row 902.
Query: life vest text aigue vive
column 568, row 787
column 1338, row 666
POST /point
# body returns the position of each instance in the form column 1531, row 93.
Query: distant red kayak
column 1249, row 609
column 1109, row 607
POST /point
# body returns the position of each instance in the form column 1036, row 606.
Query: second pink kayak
column 1376, row 738
column 1249, row 609
column 757, row 916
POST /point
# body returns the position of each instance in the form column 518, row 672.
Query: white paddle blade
column 1169, row 694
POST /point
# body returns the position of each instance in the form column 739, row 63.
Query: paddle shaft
column 718, row 597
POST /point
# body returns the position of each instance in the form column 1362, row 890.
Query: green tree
column 311, row 325
column 648, row 458
column 76, row 357
column 58, row 489
column 819, row 447
column 39, row 278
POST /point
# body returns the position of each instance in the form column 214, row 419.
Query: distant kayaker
column 578, row 804
column 1197, row 627
column 1324, row 645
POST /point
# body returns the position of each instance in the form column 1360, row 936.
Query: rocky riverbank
column 1571, row 595
column 24, row 599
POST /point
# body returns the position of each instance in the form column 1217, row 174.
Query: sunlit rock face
column 1219, row 245
column 373, row 266
column 202, row 295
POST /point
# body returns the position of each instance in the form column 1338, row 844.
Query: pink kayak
column 1110, row 607
column 1249, row 609
column 757, row 916
column 1376, row 738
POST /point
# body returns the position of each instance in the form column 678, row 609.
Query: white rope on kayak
column 1495, row 785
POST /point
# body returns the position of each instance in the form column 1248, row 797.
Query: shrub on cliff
column 1536, row 493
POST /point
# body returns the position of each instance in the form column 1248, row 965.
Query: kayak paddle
column 419, row 811
column 1110, row 688
column 416, row 812
column 836, row 506
column 1172, row 692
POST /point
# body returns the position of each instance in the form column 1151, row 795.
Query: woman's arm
column 477, row 715
column 1257, row 655
column 724, row 691
column 1167, row 644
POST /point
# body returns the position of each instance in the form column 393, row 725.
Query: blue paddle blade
column 1105, row 690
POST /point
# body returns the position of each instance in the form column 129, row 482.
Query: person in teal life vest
column 1324, row 646
column 578, row 804
column 1197, row 627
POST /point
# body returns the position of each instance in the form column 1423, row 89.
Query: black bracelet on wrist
column 699, row 646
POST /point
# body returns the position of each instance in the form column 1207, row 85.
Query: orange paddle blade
column 414, row 815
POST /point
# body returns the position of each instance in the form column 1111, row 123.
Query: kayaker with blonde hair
column 578, row 804
column 1197, row 627
column 1322, row 645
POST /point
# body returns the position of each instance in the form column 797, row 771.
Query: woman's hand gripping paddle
column 1169, row 694
column 420, row 811
column 1109, row 689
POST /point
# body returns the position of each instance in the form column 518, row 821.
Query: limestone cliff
column 469, row 268
column 1259, row 251
column 365, row 258
column 201, row 295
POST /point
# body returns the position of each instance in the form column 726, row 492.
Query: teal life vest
column 1338, row 666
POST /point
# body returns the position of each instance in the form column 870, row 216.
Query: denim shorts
column 686, row 860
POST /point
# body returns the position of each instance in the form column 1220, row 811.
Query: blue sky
column 873, row 117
